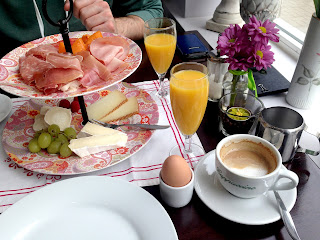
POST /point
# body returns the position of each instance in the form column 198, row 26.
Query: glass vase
column 239, row 83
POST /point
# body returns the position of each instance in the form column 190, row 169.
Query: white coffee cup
column 249, row 166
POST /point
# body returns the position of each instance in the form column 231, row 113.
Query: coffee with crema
column 248, row 158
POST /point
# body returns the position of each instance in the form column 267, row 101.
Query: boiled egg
column 175, row 171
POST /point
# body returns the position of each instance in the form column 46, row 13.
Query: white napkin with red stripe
column 142, row 168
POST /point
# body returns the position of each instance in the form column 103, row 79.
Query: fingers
column 81, row 6
column 95, row 15
column 67, row 5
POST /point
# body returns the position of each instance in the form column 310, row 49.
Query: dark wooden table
column 197, row 221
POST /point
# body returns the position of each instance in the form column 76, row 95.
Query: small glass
column 217, row 69
column 238, row 113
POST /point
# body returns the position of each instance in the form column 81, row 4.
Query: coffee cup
column 283, row 127
column 249, row 166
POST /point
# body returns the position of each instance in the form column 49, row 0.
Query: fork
column 144, row 126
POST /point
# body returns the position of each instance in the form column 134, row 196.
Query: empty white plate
column 90, row 207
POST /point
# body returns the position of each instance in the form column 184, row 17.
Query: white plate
column 256, row 211
column 88, row 208
column 5, row 106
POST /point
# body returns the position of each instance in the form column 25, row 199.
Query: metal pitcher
column 283, row 127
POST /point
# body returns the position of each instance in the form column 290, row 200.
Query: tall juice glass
column 160, row 38
column 189, row 89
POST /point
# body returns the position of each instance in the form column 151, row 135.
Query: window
column 293, row 22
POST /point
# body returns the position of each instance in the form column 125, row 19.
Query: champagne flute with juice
column 160, row 38
column 189, row 89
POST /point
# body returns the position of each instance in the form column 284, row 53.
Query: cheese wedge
column 97, row 143
column 91, row 129
column 126, row 110
column 106, row 105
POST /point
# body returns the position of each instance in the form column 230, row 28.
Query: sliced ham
column 91, row 78
column 111, row 51
column 31, row 66
column 100, row 43
column 90, row 62
column 59, row 60
column 116, row 65
column 105, row 53
column 42, row 51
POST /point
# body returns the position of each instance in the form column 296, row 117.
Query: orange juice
column 189, row 91
column 160, row 48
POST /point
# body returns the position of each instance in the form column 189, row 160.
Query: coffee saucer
column 255, row 211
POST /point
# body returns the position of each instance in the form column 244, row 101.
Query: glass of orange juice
column 189, row 89
column 160, row 39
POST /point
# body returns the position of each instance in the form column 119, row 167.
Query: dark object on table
column 191, row 47
column 270, row 81
column 64, row 30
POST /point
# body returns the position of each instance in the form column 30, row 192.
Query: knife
column 286, row 218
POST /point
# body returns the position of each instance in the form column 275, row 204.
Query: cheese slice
column 97, row 143
column 39, row 123
column 94, row 129
column 106, row 105
column 60, row 116
column 44, row 109
column 126, row 110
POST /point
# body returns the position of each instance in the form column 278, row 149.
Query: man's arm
column 96, row 15
column 130, row 26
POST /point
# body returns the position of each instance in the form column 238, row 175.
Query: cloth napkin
column 142, row 168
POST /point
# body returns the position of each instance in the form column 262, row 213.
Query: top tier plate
column 11, row 81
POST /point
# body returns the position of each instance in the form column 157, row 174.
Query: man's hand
column 95, row 15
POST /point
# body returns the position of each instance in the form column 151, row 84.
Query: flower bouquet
column 247, row 48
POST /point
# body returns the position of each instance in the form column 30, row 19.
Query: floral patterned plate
column 11, row 81
column 18, row 132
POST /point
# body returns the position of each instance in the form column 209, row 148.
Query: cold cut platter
column 21, row 69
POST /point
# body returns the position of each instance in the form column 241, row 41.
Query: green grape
column 44, row 140
column 65, row 151
column 54, row 147
column 33, row 146
column 37, row 134
column 70, row 133
column 54, row 130
column 62, row 138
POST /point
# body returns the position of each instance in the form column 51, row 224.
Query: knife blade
column 286, row 218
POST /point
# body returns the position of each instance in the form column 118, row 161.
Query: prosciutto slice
column 42, row 51
column 58, row 60
column 54, row 77
column 30, row 66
